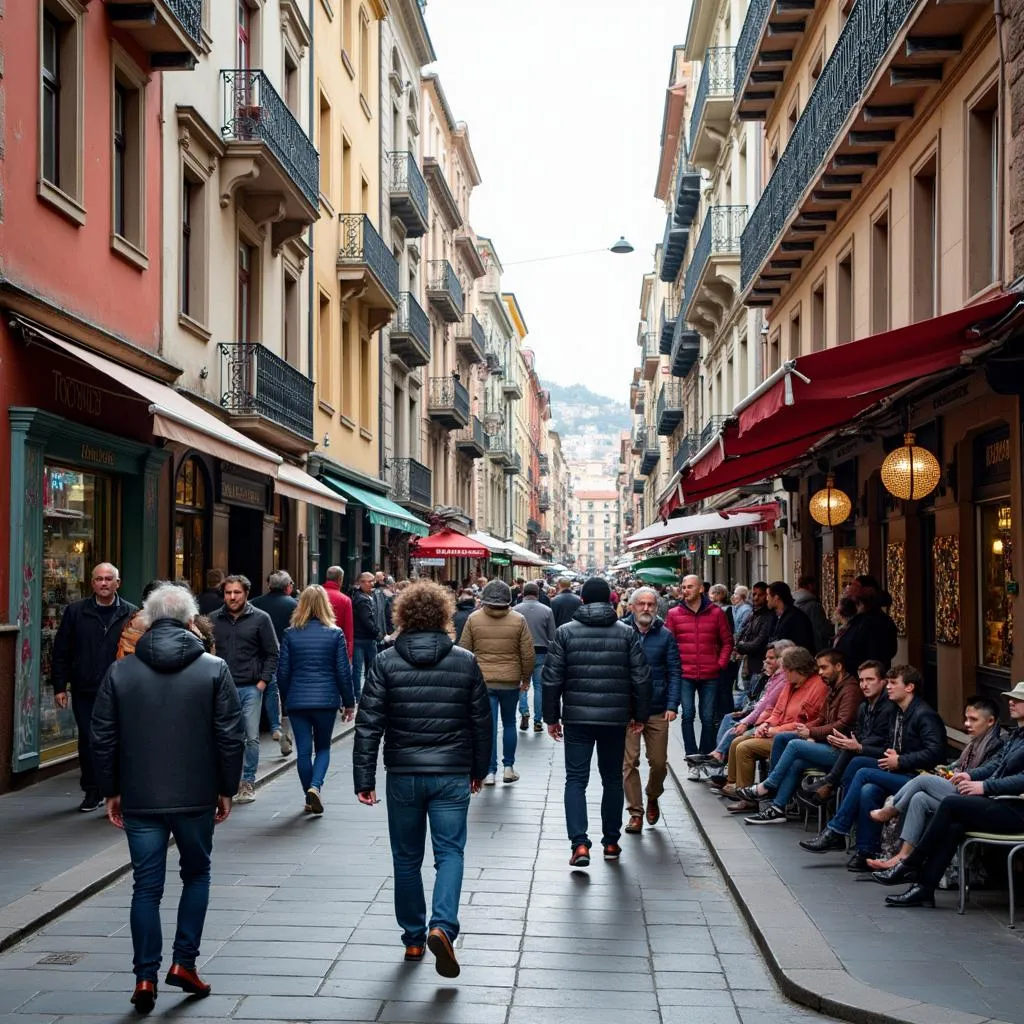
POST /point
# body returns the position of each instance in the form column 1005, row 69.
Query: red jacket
column 703, row 637
column 342, row 605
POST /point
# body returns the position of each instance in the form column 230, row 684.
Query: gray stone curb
column 57, row 896
column 797, row 954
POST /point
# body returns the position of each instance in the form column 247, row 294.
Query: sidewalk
column 832, row 943
column 54, row 857
column 301, row 924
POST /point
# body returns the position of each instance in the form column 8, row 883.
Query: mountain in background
column 589, row 424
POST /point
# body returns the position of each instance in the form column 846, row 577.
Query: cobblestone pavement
column 300, row 926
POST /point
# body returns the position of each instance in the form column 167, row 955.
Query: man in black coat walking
column 597, row 681
column 565, row 603
column 167, row 742
column 84, row 648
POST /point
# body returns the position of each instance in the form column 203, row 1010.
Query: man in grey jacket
column 541, row 621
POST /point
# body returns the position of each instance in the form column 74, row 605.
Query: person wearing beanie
column 503, row 644
column 596, row 684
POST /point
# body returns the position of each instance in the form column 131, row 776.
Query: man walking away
column 565, row 603
column 382, row 599
column 541, row 621
column 662, row 656
column 84, row 648
column 805, row 598
column 213, row 596
column 279, row 604
column 464, row 607
column 596, row 681
column 501, row 641
column 246, row 640
column 341, row 604
column 367, row 633
column 167, row 739
column 427, row 700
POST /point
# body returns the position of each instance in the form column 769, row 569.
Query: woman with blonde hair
column 315, row 679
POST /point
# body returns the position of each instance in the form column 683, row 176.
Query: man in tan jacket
column 503, row 645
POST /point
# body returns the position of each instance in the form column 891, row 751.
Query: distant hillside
column 578, row 411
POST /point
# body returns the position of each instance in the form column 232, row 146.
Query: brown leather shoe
column 144, row 996
column 635, row 824
column 414, row 954
column 444, row 955
column 187, row 980
column 653, row 811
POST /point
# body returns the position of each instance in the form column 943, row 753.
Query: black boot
column 824, row 842
column 859, row 862
column 898, row 874
column 915, row 896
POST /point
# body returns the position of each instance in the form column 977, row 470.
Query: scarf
column 977, row 750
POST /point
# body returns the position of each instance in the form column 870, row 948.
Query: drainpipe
column 1003, row 111
column 312, row 515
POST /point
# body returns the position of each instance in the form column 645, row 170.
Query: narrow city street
column 301, row 927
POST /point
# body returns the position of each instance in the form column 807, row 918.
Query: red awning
column 448, row 544
column 817, row 394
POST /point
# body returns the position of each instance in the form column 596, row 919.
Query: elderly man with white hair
column 167, row 745
column 662, row 656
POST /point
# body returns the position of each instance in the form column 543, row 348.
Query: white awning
column 294, row 482
column 687, row 525
column 523, row 556
column 495, row 546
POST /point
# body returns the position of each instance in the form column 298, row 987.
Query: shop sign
column 992, row 457
column 97, row 456
column 76, row 395
column 240, row 490
column 428, row 561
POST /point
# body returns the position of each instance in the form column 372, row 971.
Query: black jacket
column 279, row 606
column 167, row 726
column 662, row 654
column 1003, row 774
column 364, row 617
column 463, row 610
column 564, row 606
column 869, row 636
column 793, row 625
column 85, row 646
column 428, row 700
column 248, row 644
column 595, row 672
column 874, row 726
column 209, row 601
column 753, row 637
column 919, row 736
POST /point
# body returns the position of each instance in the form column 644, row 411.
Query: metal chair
column 1015, row 843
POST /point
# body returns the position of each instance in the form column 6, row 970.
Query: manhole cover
column 62, row 959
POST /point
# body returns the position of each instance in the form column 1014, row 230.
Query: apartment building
column 598, row 522
column 514, row 384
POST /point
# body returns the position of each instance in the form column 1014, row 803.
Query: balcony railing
column 688, row 447
column 746, row 45
column 190, row 16
column 444, row 290
column 409, row 193
column 532, row 526
column 410, row 332
column 470, row 338
column 864, row 40
column 256, row 382
column 543, row 464
column 498, row 449
column 515, row 463
column 360, row 244
column 685, row 349
column 720, row 236
column 649, row 354
column 638, row 486
column 411, row 482
column 651, row 456
column 253, row 111
column 711, row 429
column 472, row 439
column 716, row 79
column 673, row 247
column 670, row 407
column 669, row 312
column 448, row 400
column 639, row 440
column 544, row 500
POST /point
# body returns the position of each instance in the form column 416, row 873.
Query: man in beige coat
column 503, row 645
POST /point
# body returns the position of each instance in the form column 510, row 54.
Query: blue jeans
column 538, row 690
column 725, row 735
column 505, row 703
column 580, row 741
column 363, row 653
column 866, row 792
column 704, row 690
column 312, row 729
column 797, row 756
column 443, row 800
column 272, row 702
column 147, row 843
column 252, row 701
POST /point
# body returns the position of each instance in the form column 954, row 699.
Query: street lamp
column 620, row 247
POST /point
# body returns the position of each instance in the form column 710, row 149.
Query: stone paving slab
column 301, row 924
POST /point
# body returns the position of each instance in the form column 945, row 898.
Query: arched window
column 191, row 524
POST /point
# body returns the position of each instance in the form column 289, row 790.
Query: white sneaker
column 511, row 775
column 246, row 793
column 489, row 779
column 694, row 774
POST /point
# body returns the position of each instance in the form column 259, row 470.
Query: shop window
column 983, row 165
column 191, row 512
column 924, row 240
column 995, row 565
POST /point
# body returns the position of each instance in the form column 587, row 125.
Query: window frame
column 986, row 93
column 128, row 80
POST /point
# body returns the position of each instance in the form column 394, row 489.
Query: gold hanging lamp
column 830, row 506
column 910, row 472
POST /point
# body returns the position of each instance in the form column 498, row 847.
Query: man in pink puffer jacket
column 705, row 643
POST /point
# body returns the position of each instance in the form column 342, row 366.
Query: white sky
column 564, row 101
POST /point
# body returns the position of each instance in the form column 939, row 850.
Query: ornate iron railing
column 190, row 16
column 840, row 89
column 441, row 277
column 544, row 500
column 746, row 45
column 498, row 447
column 649, row 345
column 253, row 111
column 711, row 429
column 406, row 177
column 544, row 464
column 410, row 482
column 411, row 319
column 448, row 393
column 472, row 433
column 720, row 235
column 688, row 447
column 472, row 328
column 256, row 382
column 639, row 440
column 532, row 526
column 669, row 312
column 515, row 463
column 716, row 78
column 360, row 243
column 670, row 398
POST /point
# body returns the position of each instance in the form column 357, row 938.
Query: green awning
column 660, row 562
column 382, row 511
column 500, row 560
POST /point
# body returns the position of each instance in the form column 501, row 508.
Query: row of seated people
column 874, row 740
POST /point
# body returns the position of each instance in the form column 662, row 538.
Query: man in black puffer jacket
column 167, row 745
column 428, row 701
column 596, row 681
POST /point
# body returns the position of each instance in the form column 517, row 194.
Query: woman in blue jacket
column 315, row 679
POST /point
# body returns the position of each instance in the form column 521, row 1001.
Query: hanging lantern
column 911, row 472
column 830, row 506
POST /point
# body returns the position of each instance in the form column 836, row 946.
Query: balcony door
column 245, row 26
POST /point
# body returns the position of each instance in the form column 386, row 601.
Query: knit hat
column 496, row 594
column 595, row 591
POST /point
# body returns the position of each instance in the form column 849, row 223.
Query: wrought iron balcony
column 258, row 124
column 170, row 31
column 410, row 332
column 687, row 201
column 444, row 292
column 510, row 386
column 651, row 456
column 544, row 499
column 685, row 349
column 448, row 402
column 499, row 451
column 639, row 402
column 514, row 464
column 688, row 447
column 669, row 312
column 670, row 407
column 711, row 429
column 411, row 483
column 712, row 105
column 472, row 440
column 470, row 340
column 544, row 464
column 408, row 192
column 365, row 260
column 713, row 274
column 268, row 396
column 842, row 90
column 639, row 440
column 532, row 526
column 650, row 355
column 673, row 248
column 492, row 357
column 639, row 486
